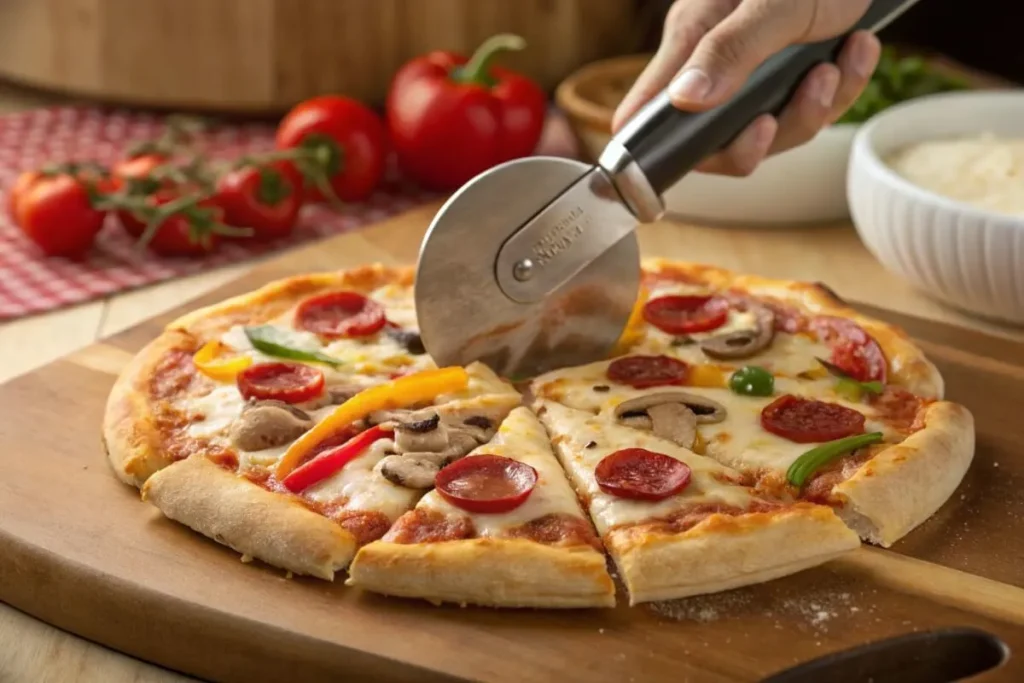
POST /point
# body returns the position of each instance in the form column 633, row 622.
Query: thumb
column 758, row 29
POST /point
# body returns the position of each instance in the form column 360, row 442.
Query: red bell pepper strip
column 451, row 117
column 330, row 461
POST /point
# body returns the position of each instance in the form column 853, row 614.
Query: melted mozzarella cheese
column 583, row 440
column 521, row 437
column 362, row 488
column 788, row 355
column 739, row 441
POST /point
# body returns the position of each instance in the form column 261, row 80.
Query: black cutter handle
column 667, row 143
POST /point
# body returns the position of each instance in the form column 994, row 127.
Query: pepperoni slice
column 486, row 483
column 686, row 314
column 809, row 421
column 641, row 372
column 288, row 382
column 640, row 474
column 340, row 314
column 854, row 351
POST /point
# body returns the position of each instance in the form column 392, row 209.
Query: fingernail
column 863, row 57
column 823, row 89
column 693, row 85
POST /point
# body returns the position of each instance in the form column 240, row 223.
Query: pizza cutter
column 534, row 264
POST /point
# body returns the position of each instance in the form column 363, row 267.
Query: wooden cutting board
column 80, row 550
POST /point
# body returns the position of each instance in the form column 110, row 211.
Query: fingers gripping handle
column 664, row 143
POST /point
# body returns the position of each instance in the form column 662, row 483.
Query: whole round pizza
column 744, row 429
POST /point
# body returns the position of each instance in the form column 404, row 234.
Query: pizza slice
column 884, row 458
column 679, row 524
column 502, row 528
column 302, row 489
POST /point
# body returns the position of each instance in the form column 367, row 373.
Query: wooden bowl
column 804, row 185
column 250, row 56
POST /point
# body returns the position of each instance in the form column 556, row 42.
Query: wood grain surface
column 82, row 552
column 263, row 56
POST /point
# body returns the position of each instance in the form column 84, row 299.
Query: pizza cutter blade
column 534, row 264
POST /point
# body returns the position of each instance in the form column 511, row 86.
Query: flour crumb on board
column 703, row 608
column 815, row 608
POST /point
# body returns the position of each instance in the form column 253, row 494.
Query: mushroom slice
column 413, row 471
column 268, row 424
column 706, row 410
column 675, row 422
column 743, row 343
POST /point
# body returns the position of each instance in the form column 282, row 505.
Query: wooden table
column 833, row 254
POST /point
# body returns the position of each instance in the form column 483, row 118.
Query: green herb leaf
column 897, row 80
column 808, row 463
column 848, row 387
column 262, row 339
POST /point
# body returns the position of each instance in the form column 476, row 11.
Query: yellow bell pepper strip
column 707, row 376
column 403, row 392
column 211, row 361
column 808, row 463
column 330, row 461
column 634, row 326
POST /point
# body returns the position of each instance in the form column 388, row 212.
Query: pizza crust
column 492, row 572
column 747, row 549
column 130, row 435
column 277, row 297
column 237, row 513
column 908, row 366
column 907, row 483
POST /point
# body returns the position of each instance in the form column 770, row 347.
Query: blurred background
column 262, row 56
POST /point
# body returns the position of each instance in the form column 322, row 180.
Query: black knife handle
column 667, row 143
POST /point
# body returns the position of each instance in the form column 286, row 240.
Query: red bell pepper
column 451, row 117
column 330, row 461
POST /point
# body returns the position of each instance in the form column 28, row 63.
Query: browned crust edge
column 905, row 484
column 235, row 512
column 493, row 572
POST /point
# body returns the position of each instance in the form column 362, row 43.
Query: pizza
column 743, row 429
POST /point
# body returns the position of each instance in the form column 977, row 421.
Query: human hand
column 710, row 48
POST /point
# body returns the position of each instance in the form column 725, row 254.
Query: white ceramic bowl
column 969, row 258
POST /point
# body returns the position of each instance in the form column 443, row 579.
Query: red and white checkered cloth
column 33, row 283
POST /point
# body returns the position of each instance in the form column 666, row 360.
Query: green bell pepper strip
column 808, row 463
column 261, row 340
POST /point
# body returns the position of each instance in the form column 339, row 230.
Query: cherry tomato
column 288, row 382
column 854, row 351
column 349, row 137
column 18, row 190
column 137, row 167
column 179, row 235
column 686, row 314
column 486, row 483
column 265, row 199
column 56, row 214
column 340, row 314
column 130, row 172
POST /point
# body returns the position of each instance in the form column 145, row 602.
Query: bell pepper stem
column 478, row 67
